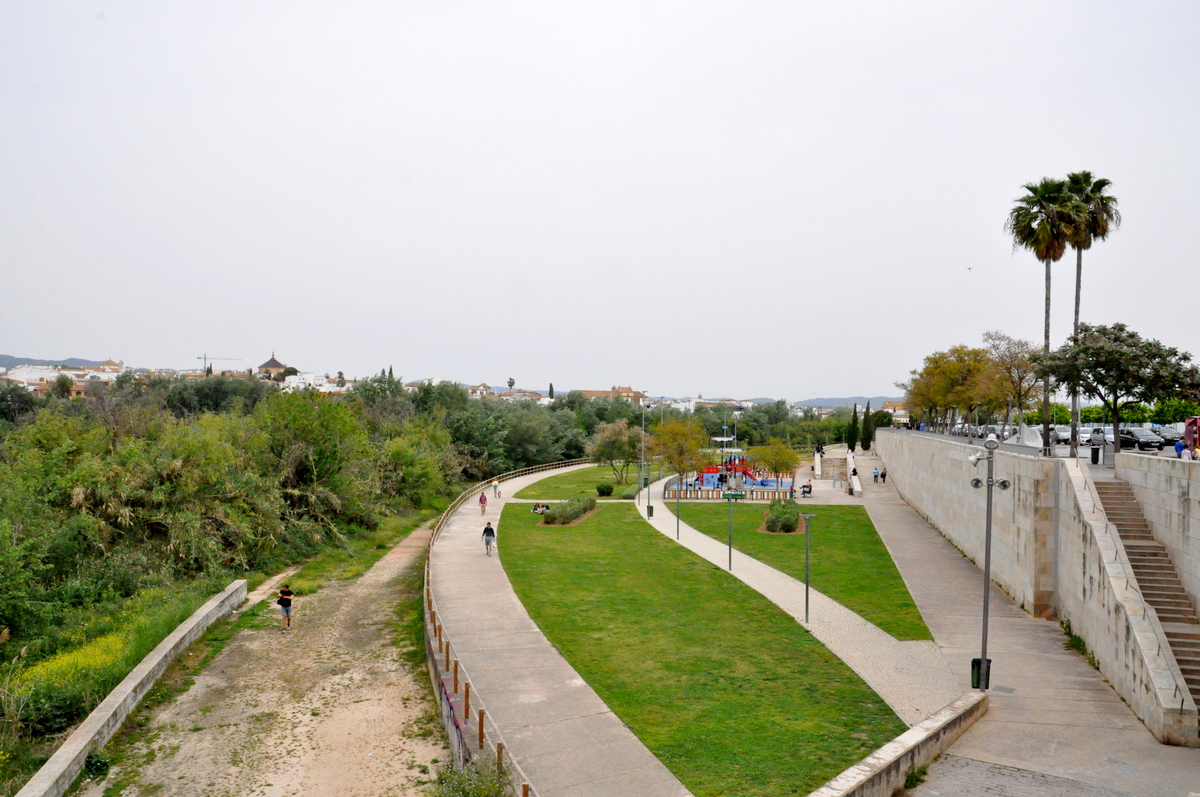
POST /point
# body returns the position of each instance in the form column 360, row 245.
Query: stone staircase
column 833, row 468
column 1156, row 577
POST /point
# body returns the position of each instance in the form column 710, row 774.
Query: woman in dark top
column 285, row 606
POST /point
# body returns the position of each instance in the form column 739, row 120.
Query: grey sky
column 735, row 198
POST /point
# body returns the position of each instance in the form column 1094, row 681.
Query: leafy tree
column 681, row 444
column 62, row 386
column 1174, row 411
column 617, row 445
column 511, row 383
column 852, row 429
column 15, row 402
column 776, row 458
column 1014, row 371
column 341, row 379
column 881, row 418
column 868, row 428
column 1118, row 367
column 1042, row 221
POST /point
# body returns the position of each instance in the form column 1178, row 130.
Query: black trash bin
column 649, row 510
column 1095, row 455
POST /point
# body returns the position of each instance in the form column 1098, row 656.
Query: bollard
column 480, row 729
column 500, row 757
column 456, row 676
column 467, row 700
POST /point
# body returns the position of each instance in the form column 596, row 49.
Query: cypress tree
column 868, row 428
column 852, row 429
column 551, row 391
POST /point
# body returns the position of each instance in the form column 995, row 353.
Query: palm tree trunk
column 1075, row 331
column 1047, row 449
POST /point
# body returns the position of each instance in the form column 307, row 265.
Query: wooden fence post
column 456, row 676
column 480, row 729
column 467, row 700
column 500, row 757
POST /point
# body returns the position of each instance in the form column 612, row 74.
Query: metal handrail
column 1121, row 557
column 429, row 603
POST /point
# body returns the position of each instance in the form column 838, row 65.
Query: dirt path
column 325, row 709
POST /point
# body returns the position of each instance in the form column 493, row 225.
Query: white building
column 322, row 383
column 38, row 378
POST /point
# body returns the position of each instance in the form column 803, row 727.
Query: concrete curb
column 57, row 774
column 884, row 771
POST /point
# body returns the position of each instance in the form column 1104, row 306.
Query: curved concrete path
column 911, row 677
column 567, row 740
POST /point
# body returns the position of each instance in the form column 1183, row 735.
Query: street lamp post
column 807, row 534
column 981, row 667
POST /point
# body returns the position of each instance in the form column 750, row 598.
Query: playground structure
column 734, row 475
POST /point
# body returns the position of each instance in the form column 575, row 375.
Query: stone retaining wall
column 884, row 771
column 57, row 775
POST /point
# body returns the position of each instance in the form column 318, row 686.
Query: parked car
column 1142, row 439
column 1063, row 430
column 1170, row 435
column 1096, row 431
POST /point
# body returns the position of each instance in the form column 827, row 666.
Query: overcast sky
column 752, row 199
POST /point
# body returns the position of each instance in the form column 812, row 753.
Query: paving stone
column 954, row 776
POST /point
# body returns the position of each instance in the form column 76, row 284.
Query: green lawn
column 577, row 483
column 729, row 692
column 849, row 562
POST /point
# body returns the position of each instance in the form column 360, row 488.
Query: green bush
column 480, row 778
column 783, row 517
column 562, row 513
column 605, row 489
column 629, row 495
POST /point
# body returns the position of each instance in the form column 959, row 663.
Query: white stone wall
column 934, row 476
column 1169, row 491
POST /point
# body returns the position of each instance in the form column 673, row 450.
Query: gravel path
column 325, row 709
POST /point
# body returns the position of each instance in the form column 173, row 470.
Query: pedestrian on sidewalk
column 495, row 488
column 489, row 538
column 875, row 474
column 285, row 606
column 883, row 475
column 482, row 503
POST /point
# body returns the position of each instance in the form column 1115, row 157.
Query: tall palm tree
column 1100, row 218
column 1041, row 221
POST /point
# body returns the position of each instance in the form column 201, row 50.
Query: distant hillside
column 8, row 361
column 876, row 401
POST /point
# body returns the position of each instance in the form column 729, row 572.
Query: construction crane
column 208, row 359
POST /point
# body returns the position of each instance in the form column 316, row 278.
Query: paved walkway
column 911, row 677
column 1050, row 713
column 567, row 740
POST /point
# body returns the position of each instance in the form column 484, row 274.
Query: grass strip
column 729, row 692
column 576, row 484
column 848, row 560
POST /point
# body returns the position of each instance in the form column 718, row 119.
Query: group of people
column 1183, row 452
column 879, row 475
column 540, row 509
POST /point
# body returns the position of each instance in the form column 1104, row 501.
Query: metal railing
column 1121, row 557
column 461, row 709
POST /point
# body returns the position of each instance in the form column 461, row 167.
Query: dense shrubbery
column 605, row 489
column 783, row 517
column 567, row 511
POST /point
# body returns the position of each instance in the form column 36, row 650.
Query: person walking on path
column 495, row 488
column 875, row 474
column 482, row 502
column 489, row 538
column 285, row 606
column 883, row 475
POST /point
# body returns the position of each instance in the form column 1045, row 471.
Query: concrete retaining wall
column 934, row 476
column 57, row 775
column 1055, row 553
column 1169, row 492
column 884, row 771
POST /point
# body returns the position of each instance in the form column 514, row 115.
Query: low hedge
column 562, row 513
column 605, row 489
column 783, row 517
